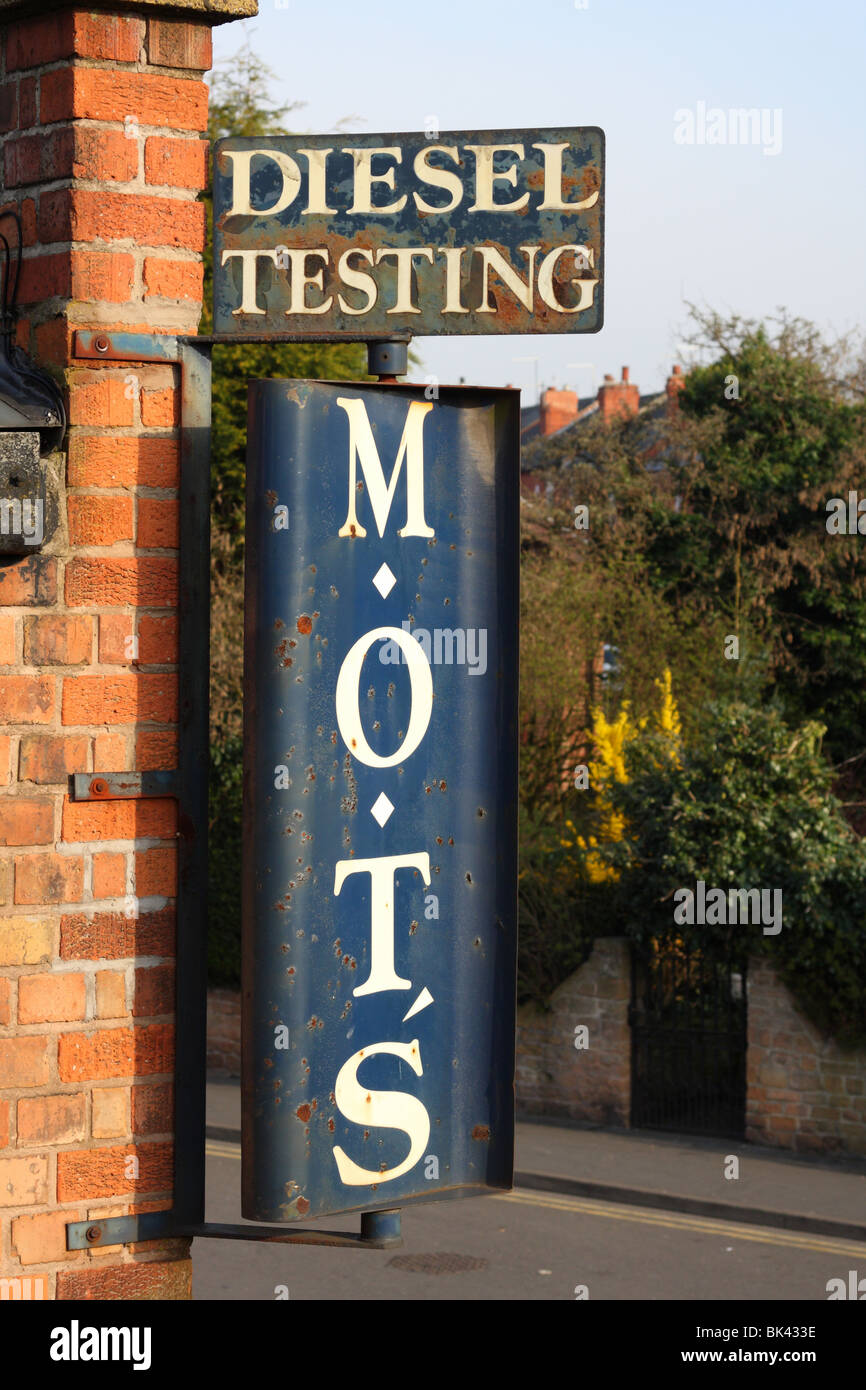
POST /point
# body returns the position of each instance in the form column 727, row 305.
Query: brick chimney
column 557, row 409
column 618, row 397
column 674, row 385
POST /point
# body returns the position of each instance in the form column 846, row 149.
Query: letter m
column 743, row 904
column 363, row 446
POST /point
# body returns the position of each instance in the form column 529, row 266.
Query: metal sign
column 366, row 235
column 380, row 878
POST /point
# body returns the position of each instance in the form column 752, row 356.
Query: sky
column 739, row 228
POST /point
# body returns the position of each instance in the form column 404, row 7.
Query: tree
column 241, row 105
column 774, row 428
column 748, row 806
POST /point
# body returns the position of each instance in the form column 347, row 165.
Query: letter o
column 348, row 705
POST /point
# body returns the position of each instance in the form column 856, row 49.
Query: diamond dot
column 381, row 809
column 384, row 581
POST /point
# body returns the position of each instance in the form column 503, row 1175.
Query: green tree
column 241, row 105
column 769, row 430
column 749, row 805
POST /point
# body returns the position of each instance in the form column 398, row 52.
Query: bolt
column 102, row 344
column 98, row 787
column 93, row 1233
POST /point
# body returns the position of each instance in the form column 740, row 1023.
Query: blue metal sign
column 365, row 235
column 380, row 839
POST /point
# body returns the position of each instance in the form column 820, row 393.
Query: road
column 524, row 1245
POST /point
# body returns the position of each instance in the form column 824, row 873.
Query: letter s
column 387, row 1109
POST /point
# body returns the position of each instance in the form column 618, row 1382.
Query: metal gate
column 688, row 1024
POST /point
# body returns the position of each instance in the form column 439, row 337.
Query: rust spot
column 305, row 625
column 331, row 1125
column 278, row 624
column 312, row 569
column 291, row 970
column 443, row 786
column 302, row 1205
column 468, row 878
column 271, row 497
column 313, row 1023
column 481, row 1132
column 413, row 927
column 303, row 1113
column 439, row 839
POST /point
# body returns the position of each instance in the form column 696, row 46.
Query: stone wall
column 224, row 1032
column 557, row 1078
column 804, row 1092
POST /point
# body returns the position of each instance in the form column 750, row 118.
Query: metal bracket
column 95, row 346
column 121, row 786
column 380, row 1230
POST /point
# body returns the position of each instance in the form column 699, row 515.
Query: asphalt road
column 521, row 1245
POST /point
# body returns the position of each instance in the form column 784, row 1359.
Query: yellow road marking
column 644, row 1216
column 683, row 1222
column 217, row 1149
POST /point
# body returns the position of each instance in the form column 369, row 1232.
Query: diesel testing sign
column 380, row 786
column 371, row 235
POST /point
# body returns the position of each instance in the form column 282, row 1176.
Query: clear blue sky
column 723, row 225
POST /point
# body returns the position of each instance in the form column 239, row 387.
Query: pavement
column 678, row 1173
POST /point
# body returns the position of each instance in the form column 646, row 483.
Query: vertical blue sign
column 380, row 815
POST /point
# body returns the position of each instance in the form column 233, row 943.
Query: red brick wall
column 804, row 1092
column 593, row 1083
column 224, row 1032
column 101, row 121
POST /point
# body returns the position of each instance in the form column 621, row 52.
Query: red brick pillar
column 102, row 118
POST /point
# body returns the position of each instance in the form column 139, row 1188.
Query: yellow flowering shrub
column 610, row 739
